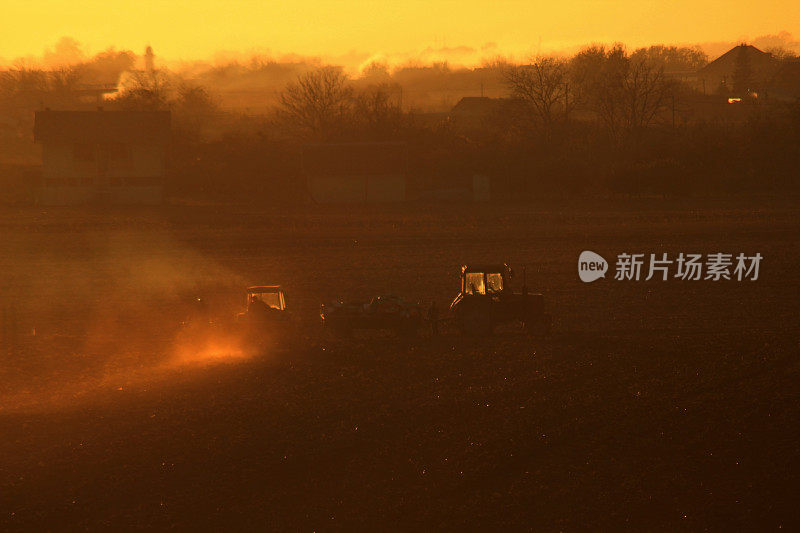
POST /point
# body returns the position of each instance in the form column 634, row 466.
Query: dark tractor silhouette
column 486, row 301
column 265, row 313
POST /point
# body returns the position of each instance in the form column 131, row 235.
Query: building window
column 474, row 283
column 494, row 282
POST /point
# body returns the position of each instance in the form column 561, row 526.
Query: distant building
column 110, row 157
column 470, row 106
column 74, row 94
column 356, row 172
column 149, row 60
column 474, row 111
column 742, row 71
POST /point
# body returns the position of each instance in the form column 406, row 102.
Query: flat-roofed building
column 112, row 157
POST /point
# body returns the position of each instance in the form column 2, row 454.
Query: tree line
column 603, row 121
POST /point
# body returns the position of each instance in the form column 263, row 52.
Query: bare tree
column 64, row 80
column 646, row 93
column 317, row 104
column 21, row 90
column 672, row 58
column 596, row 75
column 194, row 99
column 22, row 80
column 627, row 94
column 542, row 86
column 377, row 113
column 145, row 91
column 194, row 112
column 376, row 72
column 781, row 54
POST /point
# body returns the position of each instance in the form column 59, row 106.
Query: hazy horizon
column 351, row 35
column 68, row 50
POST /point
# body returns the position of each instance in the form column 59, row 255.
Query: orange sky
column 180, row 29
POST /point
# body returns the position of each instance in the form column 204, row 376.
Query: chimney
column 149, row 60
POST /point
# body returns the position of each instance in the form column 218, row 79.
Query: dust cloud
column 112, row 310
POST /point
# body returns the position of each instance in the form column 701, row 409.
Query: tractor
column 486, row 301
column 265, row 313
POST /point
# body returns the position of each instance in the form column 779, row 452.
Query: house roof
column 473, row 104
column 101, row 126
column 481, row 106
column 727, row 62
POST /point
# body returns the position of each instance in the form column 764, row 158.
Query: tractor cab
column 265, row 298
column 264, row 315
column 486, row 300
column 481, row 280
column 264, row 303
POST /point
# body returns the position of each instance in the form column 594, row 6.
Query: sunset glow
column 350, row 32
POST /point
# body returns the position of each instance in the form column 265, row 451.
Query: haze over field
column 353, row 33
